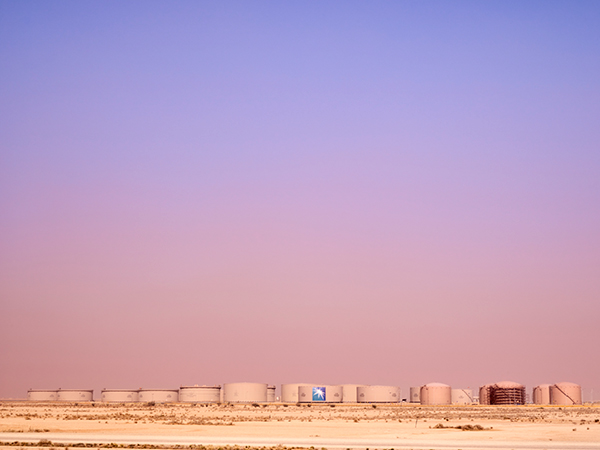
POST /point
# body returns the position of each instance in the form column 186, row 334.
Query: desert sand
column 319, row 426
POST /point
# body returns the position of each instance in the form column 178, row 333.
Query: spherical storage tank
column 565, row 394
column 436, row 394
column 42, row 395
column 75, row 395
column 349, row 393
column 245, row 392
column 200, row 394
column 271, row 393
column 415, row 395
column 462, row 396
column 320, row 394
column 378, row 394
column 507, row 393
column 159, row 395
column 119, row 395
column 541, row 394
column 289, row 392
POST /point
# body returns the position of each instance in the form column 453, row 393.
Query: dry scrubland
column 402, row 422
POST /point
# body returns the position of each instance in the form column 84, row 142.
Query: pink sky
column 356, row 193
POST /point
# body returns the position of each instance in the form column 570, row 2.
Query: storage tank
column 485, row 394
column 565, row 394
column 436, row 394
column 200, row 394
column 320, row 394
column 119, row 395
column 75, row 395
column 462, row 397
column 541, row 394
column 271, row 393
column 245, row 392
column 289, row 392
column 42, row 395
column 349, row 394
column 378, row 394
column 415, row 395
column 159, row 395
column 507, row 393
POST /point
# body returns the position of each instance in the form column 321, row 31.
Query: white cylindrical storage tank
column 462, row 396
column 436, row 394
column 484, row 394
column 541, row 394
column 159, row 395
column 320, row 394
column 349, row 393
column 119, row 395
column 245, row 392
column 75, row 395
column 200, row 394
column 565, row 394
column 42, row 395
column 289, row 392
column 271, row 393
column 415, row 395
column 378, row 394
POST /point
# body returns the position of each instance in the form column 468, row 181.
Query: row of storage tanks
column 502, row 393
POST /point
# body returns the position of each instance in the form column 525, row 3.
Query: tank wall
column 245, row 392
column 378, row 394
column 349, row 393
column 541, row 394
column 484, row 394
column 289, row 392
column 271, row 394
column 565, row 394
column 119, row 396
column 462, row 396
column 159, row 395
column 42, row 396
column 200, row 394
column 436, row 395
column 320, row 394
column 75, row 395
column 415, row 395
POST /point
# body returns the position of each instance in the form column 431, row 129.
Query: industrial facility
column 501, row 393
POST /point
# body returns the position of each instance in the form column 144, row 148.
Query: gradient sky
column 300, row 191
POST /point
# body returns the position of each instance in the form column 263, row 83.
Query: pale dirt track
column 352, row 426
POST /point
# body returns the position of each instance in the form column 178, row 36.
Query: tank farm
column 500, row 393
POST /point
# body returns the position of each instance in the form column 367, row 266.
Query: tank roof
column 76, row 390
column 120, row 390
column 509, row 384
column 198, row 387
column 174, row 390
column 566, row 384
column 437, row 385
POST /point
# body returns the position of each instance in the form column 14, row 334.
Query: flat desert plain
column 340, row 426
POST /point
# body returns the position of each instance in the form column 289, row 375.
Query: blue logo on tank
column 318, row 394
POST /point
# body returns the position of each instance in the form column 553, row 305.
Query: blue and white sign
column 318, row 394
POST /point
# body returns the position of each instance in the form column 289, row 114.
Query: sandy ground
column 341, row 426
